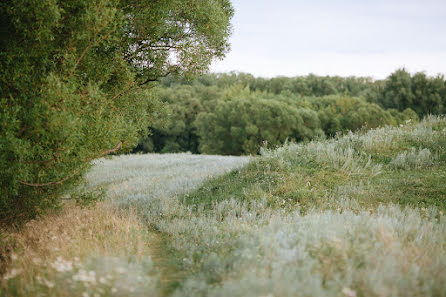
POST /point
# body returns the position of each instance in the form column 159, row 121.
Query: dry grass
column 47, row 248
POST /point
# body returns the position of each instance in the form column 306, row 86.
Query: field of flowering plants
column 358, row 215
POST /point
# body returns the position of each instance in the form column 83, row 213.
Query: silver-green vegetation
column 75, row 83
column 358, row 215
column 96, row 251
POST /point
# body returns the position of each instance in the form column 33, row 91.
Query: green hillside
column 359, row 215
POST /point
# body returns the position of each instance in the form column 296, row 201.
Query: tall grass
column 102, row 250
column 359, row 215
column 95, row 251
column 316, row 219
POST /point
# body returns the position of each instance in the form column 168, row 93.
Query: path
column 152, row 177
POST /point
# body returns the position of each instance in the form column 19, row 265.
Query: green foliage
column 350, row 114
column 241, row 125
column 425, row 95
column 225, row 114
column 75, row 83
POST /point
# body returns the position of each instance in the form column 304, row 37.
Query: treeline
column 238, row 113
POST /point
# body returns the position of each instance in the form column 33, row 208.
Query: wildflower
column 13, row 273
column 61, row 265
column 37, row 261
column 48, row 283
column 85, row 277
column 348, row 292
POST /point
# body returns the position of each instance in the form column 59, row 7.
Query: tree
column 242, row 125
column 397, row 92
column 75, row 83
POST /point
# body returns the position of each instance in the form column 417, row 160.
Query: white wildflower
column 48, row 283
column 83, row 276
column 11, row 274
column 37, row 261
column 348, row 292
column 61, row 265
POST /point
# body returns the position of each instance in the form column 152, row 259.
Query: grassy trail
column 156, row 179
column 166, row 264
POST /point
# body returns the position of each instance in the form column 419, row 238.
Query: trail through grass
column 152, row 179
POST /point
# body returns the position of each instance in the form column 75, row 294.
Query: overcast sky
column 338, row 37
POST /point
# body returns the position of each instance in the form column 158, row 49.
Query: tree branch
column 90, row 44
column 154, row 79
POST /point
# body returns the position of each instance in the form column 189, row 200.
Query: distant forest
column 237, row 113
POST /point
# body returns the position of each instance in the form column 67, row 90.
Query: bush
column 242, row 125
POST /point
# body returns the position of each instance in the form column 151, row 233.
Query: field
column 358, row 215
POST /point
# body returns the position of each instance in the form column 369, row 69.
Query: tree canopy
column 76, row 83
column 236, row 114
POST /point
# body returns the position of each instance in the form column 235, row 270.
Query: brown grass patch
column 72, row 234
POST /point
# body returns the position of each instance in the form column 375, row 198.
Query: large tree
column 75, row 83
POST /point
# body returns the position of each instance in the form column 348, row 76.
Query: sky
column 343, row 37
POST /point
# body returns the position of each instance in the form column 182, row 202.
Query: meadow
column 361, row 214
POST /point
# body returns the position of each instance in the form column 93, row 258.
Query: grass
column 359, row 215
column 107, row 249
column 78, row 251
